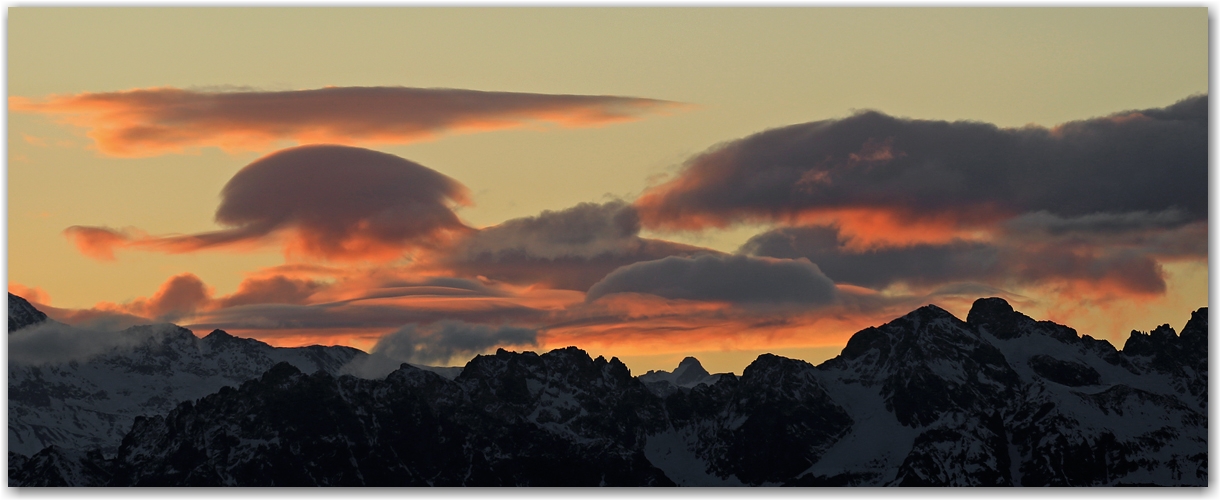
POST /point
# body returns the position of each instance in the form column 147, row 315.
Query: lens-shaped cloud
column 320, row 201
column 722, row 278
column 156, row 121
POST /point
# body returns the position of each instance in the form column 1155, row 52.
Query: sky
column 432, row 184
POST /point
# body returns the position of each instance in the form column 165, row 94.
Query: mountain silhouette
column 927, row 399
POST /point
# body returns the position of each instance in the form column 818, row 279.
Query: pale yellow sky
column 745, row 70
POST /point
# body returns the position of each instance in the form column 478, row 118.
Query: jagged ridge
column 927, row 399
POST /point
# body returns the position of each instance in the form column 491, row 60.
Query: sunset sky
column 643, row 183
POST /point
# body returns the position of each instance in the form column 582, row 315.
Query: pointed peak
column 925, row 315
column 931, row 311
column 1195, row 331
column 689, row 371
column 22, row 314
column 218, row 334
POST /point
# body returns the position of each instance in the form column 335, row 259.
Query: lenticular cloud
column 955, row 172
column 157, row 121
column 321, row 201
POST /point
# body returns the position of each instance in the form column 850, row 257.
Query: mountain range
column 928, row 399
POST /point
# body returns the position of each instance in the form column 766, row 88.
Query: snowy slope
column 91, row 402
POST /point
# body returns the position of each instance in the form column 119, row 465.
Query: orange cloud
column 275, row 290
column 156, row 121
column 179, row 297
column 35, row 295
column 98, row 242
column 865, row 229
column 640, row 324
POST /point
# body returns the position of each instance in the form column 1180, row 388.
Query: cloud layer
column 1122, row 253
column 570, row 249
column 56, row 343
column 155, row 121
column 937, row 172
column 438, row 344
column 324, row 201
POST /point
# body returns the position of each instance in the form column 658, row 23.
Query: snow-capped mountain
column 926, row 399
column 90, row 400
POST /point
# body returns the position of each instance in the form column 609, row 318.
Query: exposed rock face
column 21, row 314
column 926, row 399
column 687, row 375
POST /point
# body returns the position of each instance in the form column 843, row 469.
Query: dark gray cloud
column 333, row 202
column 918, row 264
column 1167, row 234
column 1138, row 161
column 437, row 344
column 1118, row 250
column 570, row 249
column 731, row 278
column 1096, row 224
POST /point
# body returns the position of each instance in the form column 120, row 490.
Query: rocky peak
column 22, row 314
column 688, row 371
column 928, row 363
column 1164, row 351
column 281, row 373
column 995, row 316
column 931, row 312
column 223, row 341
column 769, row 368
column 1194, row 334
column 1161, row 340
